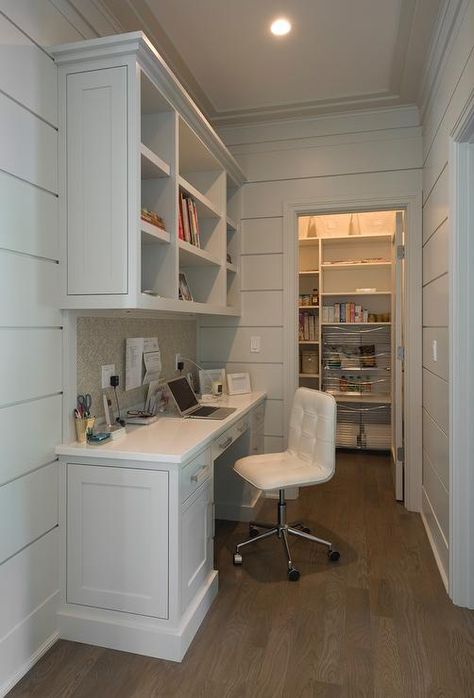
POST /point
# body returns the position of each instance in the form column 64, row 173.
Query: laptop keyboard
column 204, row 411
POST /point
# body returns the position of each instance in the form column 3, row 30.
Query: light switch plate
column 254, row 344
column 107, row 371
column 435, row 350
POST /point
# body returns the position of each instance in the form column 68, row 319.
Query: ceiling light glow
column 280, row 26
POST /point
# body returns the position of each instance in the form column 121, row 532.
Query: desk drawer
column 228, row 437
column 194, row 474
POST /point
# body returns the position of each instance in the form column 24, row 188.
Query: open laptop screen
column 183, row 394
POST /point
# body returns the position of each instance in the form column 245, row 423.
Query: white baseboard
column 130, row 633
column 27, row 664
column 436, row 538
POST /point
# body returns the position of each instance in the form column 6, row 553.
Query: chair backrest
column 312, row 433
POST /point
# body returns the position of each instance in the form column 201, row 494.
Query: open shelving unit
column 354, row 359
column 155, row 148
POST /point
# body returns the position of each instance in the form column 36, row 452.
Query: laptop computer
column 188, row 405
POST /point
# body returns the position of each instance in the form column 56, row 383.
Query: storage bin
column 309, row 362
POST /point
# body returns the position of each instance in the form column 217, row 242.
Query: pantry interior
column 350, row 324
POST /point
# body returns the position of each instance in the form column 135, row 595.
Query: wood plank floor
column 378, row 623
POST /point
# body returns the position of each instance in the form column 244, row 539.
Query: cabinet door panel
column 118, row 539
column 97, row 182
column 197, row 543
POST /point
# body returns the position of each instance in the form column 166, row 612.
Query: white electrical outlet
column 107, row 371
column 255, row 344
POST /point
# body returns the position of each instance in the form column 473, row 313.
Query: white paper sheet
column 133, row 362
column 142, row 361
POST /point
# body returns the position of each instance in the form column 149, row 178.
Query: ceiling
column 341, row 55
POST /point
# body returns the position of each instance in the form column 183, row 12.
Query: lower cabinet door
column 117, row 539
column 197, row 548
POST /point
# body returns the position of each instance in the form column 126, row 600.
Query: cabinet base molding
column 140, row 635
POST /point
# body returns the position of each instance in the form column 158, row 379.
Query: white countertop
column 170, row 439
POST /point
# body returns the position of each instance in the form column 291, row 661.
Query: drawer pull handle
column 225, row 443
column 201, row 474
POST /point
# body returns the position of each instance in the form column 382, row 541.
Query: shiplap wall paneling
column 435, row 302
column 37, row 89
column 22, row 455
column 29, row 509
column 30, row 330
column 233, row 344
column 30, row 363
column 28, row 218
column 441, row 366
column 262, row 236
column 434, row 398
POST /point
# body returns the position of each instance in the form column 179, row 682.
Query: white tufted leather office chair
column 308, row 460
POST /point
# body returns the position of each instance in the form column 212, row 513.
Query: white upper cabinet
column 150, row 201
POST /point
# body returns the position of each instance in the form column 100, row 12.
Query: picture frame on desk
column 238, row 383
column 184, row 291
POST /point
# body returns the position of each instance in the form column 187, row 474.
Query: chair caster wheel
column 293, row 574
column 333, row 555
column 237, row 559
column 253, row 531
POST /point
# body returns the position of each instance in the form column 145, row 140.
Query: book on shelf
column 344, row 312
column 188, row 220
column 308, row 327
column 153, row 218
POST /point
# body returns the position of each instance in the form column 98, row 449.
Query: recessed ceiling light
column 280, row 26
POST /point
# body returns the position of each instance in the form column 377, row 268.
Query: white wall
column 448, row 91
column 30, row 330
column 363, row 155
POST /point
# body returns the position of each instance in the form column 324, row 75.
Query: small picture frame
column 238, row 383
column 184, row 292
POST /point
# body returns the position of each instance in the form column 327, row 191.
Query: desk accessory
column 98, row 438
column 238, row 383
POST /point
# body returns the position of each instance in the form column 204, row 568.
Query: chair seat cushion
column 272, row 471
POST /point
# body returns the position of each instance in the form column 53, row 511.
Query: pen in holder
column 84, row 426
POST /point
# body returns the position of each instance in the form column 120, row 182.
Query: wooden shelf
column 152, row 166
column 370, row 398
column 231, row 225
column 383, row 237
column 308, row 307
column 308, row 341
column 205, row 207
column 153, row 235
column 309, row 375
column 308, row 242
column 357, row 293
column 358, row 265
column 192, row 256
column 231, row 268
column 308, row 273
column 356, row 324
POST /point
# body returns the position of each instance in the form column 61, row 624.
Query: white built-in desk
column 137, row 521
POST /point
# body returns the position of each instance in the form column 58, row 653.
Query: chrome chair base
column 283, row 530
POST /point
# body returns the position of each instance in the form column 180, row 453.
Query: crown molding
column 447, row 26
column 138, row 45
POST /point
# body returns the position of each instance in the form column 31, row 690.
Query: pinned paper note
column 142, row 361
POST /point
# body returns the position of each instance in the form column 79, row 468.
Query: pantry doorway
column 350, row 288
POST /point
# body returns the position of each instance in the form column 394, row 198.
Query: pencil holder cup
column 84, row 426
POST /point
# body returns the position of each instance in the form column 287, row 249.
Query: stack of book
column 188, row 220
column 153, row 218
column 344, row 312
column 308, row 327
